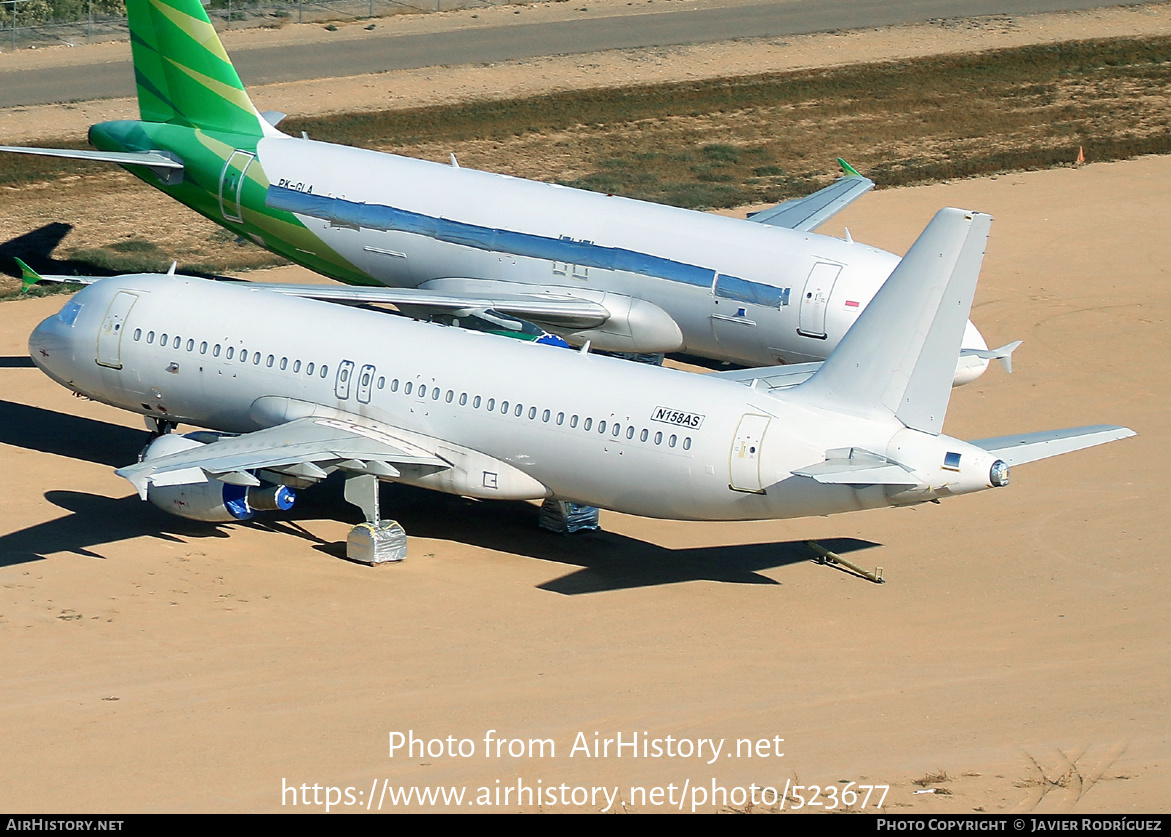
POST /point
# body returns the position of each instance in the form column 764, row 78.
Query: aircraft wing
column 308, row 448
column 812, row 211
column 548, row 308
column 1029, row 447
column 569, row 311
column 771, row 378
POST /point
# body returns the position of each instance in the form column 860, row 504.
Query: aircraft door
column 365, row 383
column 109, row 349
column 745, row 460
column 815, row 298
column 232, row 184
column 341, row 388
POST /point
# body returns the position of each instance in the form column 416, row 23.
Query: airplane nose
column 50, row 346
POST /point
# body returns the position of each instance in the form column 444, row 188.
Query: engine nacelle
column 211, row 501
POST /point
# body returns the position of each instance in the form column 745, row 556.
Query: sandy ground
column 1018, row 652
column 1019, row 645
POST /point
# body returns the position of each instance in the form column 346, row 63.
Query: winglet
column 28, row 276
column 847, row 169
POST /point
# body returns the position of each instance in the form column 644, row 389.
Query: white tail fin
column 900, row 356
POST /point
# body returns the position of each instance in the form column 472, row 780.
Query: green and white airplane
column 623, row 275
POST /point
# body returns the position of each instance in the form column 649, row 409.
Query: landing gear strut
column 159, row 426
column 376, row 541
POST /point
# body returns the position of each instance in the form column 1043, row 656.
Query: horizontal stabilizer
column 153, row 159
column 853, row 466
column 1003, row 354
column 810, row 212
column 1029, row 447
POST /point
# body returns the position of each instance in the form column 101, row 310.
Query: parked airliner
column 296, row 389
column 624, row 275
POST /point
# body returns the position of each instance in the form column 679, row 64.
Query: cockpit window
column 68, row 314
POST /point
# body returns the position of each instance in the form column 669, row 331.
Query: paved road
column 379, row 53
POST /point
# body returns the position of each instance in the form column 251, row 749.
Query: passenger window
column 476, row 402
column 178, row 341
column 394, row 385
column 630, row 432
column 345, row 374
column 256, row 358
column 163, row 341
column 269, row 361
column 243, row 355
column 519, row 409
column 382, row 383
column 450, row 395
column 601, row 427
column 463, row 398
column 504, row 407
column 216, row 351
column 545, row 416
column 190, row 345
column 137, row 333
column 407, row 388
column 687, row 443
column 203, row 348
column 150, row 337
column 491, row 405
column 309, row 370
column 324, row 371
column 231, row 351
column 658, row 438
column 423, row 391
column 560, row 419
column 296, row 366
column 284, row 363
column 642, row 436
column 587, row 424
column 435, row 394
column 573, row 421
column 671, row 441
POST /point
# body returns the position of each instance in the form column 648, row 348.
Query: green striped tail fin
column 183, row 74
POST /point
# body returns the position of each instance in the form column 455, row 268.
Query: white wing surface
column 308, row 448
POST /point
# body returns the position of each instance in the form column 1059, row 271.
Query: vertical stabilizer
column 183, row 74
column 900, row 356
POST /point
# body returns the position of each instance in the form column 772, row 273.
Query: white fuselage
column 737, row 290
column 629, row 437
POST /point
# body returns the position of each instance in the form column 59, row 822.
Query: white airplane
column 624, row 275
column 310, row 388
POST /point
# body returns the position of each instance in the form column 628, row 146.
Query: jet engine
column 211, row 501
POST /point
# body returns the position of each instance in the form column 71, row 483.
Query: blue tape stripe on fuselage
column 341, row 212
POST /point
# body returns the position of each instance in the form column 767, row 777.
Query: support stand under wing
column 565, row 518
column 376, row 541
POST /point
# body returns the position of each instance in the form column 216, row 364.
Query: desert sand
column 1016, row 660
